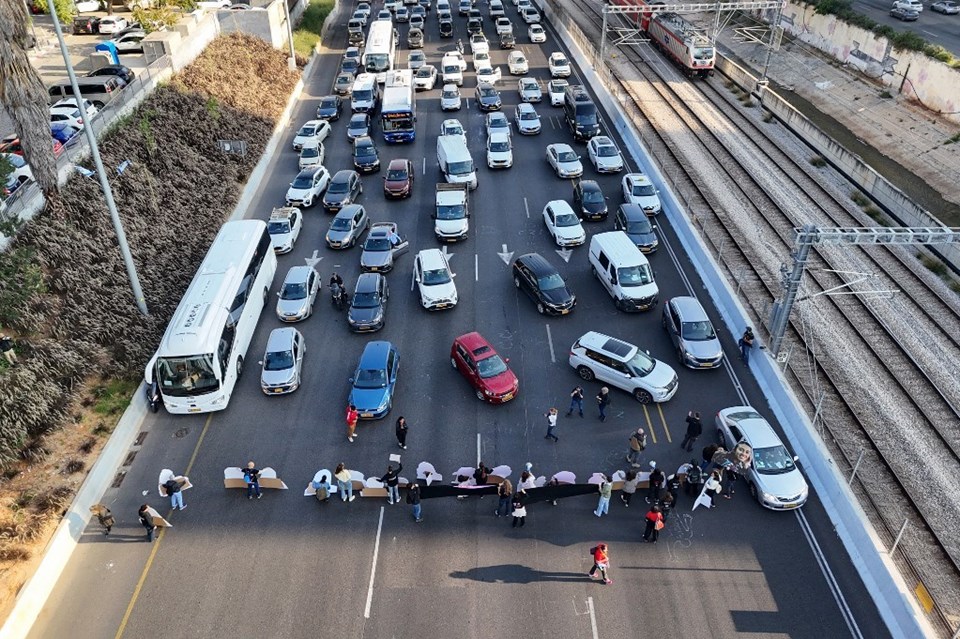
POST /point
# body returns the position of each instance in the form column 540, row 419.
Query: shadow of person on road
column 515, row 574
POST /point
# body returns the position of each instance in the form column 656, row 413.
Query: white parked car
column 517, row 63
column 563, row 159
column 425, row 78
column 499, row 151
column 563, row 224
column 68, row 115
column 490, row 75
column 311, row 154
column 504, row 26
column 529, row 90
column 604, row 155
column 284, row 228
column 605, row 359
column 556, row 88
column 527, row 119
column 537, row 34
column 308, row 187
column 452, row 126
column 497, row 123
column 112, row 24
column 479, row 42
column 89, row 110
column 312, row 131
column 451, row 72
column 530, row 15
column 481, row 61
column 450, row 98
column 559, row 65
column 639, row 190
column 21, row 173
column 434, row 279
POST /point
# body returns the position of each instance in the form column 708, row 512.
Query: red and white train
column 678, row 39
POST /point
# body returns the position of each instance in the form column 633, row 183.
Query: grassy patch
column 859, row 198
column 886, row 95
column 953, row 139
column 818, row 161
column 113, row 397
column 306, row 36
column 933, row 265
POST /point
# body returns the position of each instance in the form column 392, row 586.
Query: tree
column 23, row 94
column 65, row 9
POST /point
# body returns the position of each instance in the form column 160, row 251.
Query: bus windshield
column 186, row 376
column 394, row 123
column 377, row 62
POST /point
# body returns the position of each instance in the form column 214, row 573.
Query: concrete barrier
column 892, row 596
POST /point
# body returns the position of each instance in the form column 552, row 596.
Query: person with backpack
column 746, row 345
column 392, row 481
column 606, row 489
column 638, row 443
column 146, row 520
column 654, row 521
column 601, row 562
column 629, row 487
column 172, row 486
column 322, row 487
column 694, row 430
column 505, row 497
column 251, row 475
column 693, row 476
column 413, row 498
column 654, row 483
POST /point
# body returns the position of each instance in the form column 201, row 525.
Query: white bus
column 201, row 354
column 381, row 49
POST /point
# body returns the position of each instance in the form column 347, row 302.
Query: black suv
column 344, row 188
column 507, row 41
column 446, row 29
column 589, row 201
column 543, row 283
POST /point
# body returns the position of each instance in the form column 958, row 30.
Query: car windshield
column 481, row 56
column 491, row 367
column 519, row 59
column 488, row 92
column 450, row 212
column 310, row 152
column 644, row 189
column 460, row 168
column 607, row 151
column 362, row 95
column 567, row 219
column 279, row 361
column 451, row 94
column 498, row 122
column 307, row 131
column 454, row 129
column 338, row 187
column 635, row 275
column 376, row 244
column 641, row 364
column 358, row 126
column 697, row 331
column 499, row 146
column 303, row 181
column 185, row 376
column 424, row 72
column 550, row 282
column 397, row 174
column 436, row 276
column 772, row 461
column 640, row 227
column 559, row 61
column 365, row 151
column 366, row 300
column 293, row 291
column 278, row 227
column 417, row 56
column 529, row 115
column 566, row 156
column 592, row 197
column 451, row 68
column 370, row 378
column 328, row 104
column 340, row 224
column 343, row 80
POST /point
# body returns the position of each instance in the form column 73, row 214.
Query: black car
column 118, row 70
column 507, row 41
column 351, row 65
column 543, row 283
column 86, row 25
column 633, row 220
column 488, row 98
column 366, row 158
column 331, row 106
column 356, row 39
column 474, row 26
column 414, row 39
column 344, row 188
column 589, row 201
column 369, row 304
column 446, row 29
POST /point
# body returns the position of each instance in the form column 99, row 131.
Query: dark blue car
column 375, row 380
column 330, row 108
column 64, row 133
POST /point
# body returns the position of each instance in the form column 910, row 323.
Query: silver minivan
column 99, row 90
column 692, row 333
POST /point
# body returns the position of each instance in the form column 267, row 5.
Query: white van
column 363, row 98
column 455, row 160
column 624, row 271
column 451, row 71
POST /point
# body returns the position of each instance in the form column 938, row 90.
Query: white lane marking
column 593, row 616
column 413, row 281
column 553, row 357
column 828, row 575
column 424, row 165
column 476, row 267
column 373, row 567
column 552, row 123
column 526, row 207
column 478, row 452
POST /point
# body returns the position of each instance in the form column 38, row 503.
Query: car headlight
column 384, row 403
column 488, row 393
column 767, row 497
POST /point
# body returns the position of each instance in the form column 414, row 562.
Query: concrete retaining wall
column 892, row 596
column 270, row 25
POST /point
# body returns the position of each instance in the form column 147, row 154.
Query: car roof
column 560, row 207
column 589, row 185
column 311, row 170
column 283, row 213
column 368, row 283
column 348, row 211
column 313, row 123
column 359, row 117
column 690, row 309
column 342, row 175
column 637, row 178
column 398, row 163
column 611, row 346
column 602, row 139
column 537, row 264
column 375, row 354
column 281, row 339
column 363, row 140
column 562, row 146
column 525, row 106
column 476, row 342
column 432, row 259
column 756, row 429
column 297, row 274
column 633, row 212
column 499, row 136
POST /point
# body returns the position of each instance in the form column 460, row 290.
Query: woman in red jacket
column 601, row 562
column 654, row 519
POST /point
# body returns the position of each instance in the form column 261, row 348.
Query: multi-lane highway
column 287, row 566
column 933, row 27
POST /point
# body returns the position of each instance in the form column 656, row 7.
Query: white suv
column 913, row 5
column 434, row 279
column 623, row 365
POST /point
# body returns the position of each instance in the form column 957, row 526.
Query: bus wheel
column 239, row 366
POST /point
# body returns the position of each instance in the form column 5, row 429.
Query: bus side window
column 262, row 247
column 225, row 347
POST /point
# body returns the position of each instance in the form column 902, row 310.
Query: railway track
column 778, row 200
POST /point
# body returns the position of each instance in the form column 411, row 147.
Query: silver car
column 772, row 476
column 526, row 119
column 529, row 89
column 691, row 332
column 382, row 246
column 347, row 226
column 282, row 361
column 297, row 294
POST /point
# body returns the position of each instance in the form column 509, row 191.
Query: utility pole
column 292, row 59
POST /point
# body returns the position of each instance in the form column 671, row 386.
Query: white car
column 537, row 34
column 311, row 154
column 425, row 78
column 451, row 72
column 21, row 172
column 363, row 8
column 112, row 24
column 68, row 115
column 504, row 26
column 360, row 16
column 479, row 42
column 434, row 279
column 522, row 4
column 311, row 131
column 530, row 15
column 457, row 57
column 527, row 119
column 284, row 228
column 489, row 75
column 556, row 89
column 416, row 59
column 563, row 224
column 497, row 123
column 298, row 293
column 452, row 126
column 401, row 14
column 450, row 98
column 88, row 109
column 529, row 90
column 481, row 61
column 563, row 159
column 606, row 359
column 308, row 186
column 559, row 65
column 384, row 16
column 517, row 62
column 604, row 155
column 499, row 151
column 639, row 190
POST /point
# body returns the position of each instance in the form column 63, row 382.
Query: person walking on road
column 603, row 400
column 576, row 401
column 505, row 497
column 551, row 416
column 654, row 520
column 104, row 516
column 146, row 520
column 392, row 481
column 694, row 430
column 251, row 475
column 519, row 510
column 638, row 443
column 654, row 483
column 413, row 498
column 402, row 432
column 344, row 482
column 603, row 504
column 629, row 487
column 353, row 415
column 601, row 562
column 729, row 479
column 746, row 344
column 172, row 487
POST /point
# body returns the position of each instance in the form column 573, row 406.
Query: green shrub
column 307, row 34
column 113, row 398
column 21, row 279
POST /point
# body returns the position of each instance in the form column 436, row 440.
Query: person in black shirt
column 392, row 481
column 251, row 475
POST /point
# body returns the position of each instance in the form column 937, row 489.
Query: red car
column 11, row 144
column 399, row 180
column 477, row 360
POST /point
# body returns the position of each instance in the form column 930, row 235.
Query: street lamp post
column 98, row 163
column 292, row 60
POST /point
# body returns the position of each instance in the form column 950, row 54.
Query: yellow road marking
column 646, row 414
column 666, row 428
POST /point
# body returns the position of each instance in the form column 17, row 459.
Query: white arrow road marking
column 565, row 254
column 312, row 261
column 506, row 255
column 447, row 255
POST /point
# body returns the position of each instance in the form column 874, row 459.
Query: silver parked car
column 282, row 361
column 773, row 476
column 692, row 333
column 298, row 293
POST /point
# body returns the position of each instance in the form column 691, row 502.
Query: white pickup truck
column 452, row 215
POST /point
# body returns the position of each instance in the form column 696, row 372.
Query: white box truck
column 455, row 160
column 452, row 215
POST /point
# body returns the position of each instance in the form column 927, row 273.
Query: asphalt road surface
column 933, row 27
column 286, row 566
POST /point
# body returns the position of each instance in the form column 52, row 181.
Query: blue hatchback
column 375, row 380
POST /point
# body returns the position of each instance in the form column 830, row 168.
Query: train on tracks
column 690, row 48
